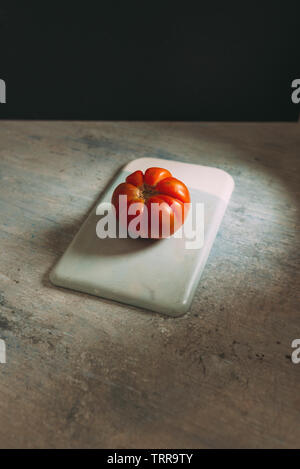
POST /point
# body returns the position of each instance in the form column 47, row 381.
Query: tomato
column 159, row 200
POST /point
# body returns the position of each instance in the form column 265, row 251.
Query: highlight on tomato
column 153, row 204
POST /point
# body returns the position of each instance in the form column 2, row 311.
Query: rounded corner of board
column 133, row 165
column 228, row 177
column 53, row 277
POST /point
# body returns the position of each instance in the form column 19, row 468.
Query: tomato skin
column 161, row 194
column 174, row 188
column 136, row 178
column 133, row 196
column 154, row 175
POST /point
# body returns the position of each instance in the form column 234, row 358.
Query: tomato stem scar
column 147, row 191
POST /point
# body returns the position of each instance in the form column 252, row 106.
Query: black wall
column 150, row 61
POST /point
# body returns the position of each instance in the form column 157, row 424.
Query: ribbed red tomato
column 164, row 197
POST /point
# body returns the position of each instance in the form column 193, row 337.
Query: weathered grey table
column 86, row 372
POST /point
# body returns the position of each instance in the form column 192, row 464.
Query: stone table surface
column 86, row 372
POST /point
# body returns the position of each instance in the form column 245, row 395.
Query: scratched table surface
column 85, row 372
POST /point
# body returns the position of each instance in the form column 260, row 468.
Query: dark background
column 150, row 61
